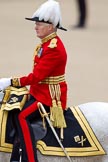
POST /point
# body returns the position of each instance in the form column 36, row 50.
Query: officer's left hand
column 4, row 83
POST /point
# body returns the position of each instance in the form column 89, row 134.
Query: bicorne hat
column 49, row 12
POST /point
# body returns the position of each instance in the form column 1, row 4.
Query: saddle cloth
column 79, row 138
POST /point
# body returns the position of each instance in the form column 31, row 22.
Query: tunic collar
column 47, row 38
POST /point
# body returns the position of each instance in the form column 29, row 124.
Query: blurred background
column 87, row 47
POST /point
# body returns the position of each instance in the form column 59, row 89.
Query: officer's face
column 43, row 29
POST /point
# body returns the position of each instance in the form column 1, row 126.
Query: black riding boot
column 15, row 156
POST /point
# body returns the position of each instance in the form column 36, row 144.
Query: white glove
column 4, row 83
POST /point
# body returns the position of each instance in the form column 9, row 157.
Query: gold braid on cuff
column 15, row 82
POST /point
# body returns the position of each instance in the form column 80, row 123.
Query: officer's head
column 47, row 17
column 44, row 29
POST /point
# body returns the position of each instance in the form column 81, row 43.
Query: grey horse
column 97, row 115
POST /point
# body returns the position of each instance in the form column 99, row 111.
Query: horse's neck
column 96, row 114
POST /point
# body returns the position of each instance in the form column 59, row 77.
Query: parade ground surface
column 87, row 66
column 87, row 49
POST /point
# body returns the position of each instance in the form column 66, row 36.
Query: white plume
column 49, row 11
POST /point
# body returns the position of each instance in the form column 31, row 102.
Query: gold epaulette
column 53, row 43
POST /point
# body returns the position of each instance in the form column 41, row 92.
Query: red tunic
column 50, row 62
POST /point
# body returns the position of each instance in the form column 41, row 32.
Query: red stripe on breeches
column 25, row 129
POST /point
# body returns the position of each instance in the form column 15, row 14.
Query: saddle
column 15, row 98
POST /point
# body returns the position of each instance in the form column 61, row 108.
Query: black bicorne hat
column 37, row 20
column 49, row 12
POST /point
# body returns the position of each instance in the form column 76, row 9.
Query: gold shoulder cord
column 36, row 50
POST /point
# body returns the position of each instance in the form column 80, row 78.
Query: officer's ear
column 51, row 27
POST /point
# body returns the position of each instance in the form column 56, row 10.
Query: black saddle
column 38, row 129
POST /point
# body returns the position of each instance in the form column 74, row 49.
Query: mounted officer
column 47, row 81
